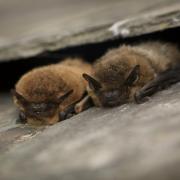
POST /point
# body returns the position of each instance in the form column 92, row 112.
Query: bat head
column 110, row 96
column 40, row 113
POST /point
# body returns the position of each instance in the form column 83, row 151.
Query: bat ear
column 19, row 97
column 133, row 75
column 63, row 97
column 93, row 83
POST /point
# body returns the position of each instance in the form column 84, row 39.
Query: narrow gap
column 11, row 71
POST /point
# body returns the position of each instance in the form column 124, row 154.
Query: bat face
column 42, row 113
column 108, row 96
column 105, row 97
column 41, row 109
column 112, row 97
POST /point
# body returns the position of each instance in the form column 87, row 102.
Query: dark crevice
column 11, row 71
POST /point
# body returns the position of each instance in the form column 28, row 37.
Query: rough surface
column 128, row 142
column 10, row 131
column 31, row 27
column 124, row 143
column 168, row 17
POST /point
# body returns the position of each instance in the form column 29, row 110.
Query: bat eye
column 41, row 109
column 37, row 109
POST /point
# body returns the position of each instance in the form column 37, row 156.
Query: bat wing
column 162, row 81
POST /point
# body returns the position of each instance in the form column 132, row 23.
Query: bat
column 133, row 73
column 46, row 95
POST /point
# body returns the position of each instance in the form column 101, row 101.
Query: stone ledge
column 50, row 29
column 127, row 142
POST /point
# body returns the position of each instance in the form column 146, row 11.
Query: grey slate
column 31, row 27
column 128, row 142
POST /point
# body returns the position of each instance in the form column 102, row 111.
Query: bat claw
column 78, row 108
column 67, row 113
column 84, row 104
column 22, row 118
column 139, row 99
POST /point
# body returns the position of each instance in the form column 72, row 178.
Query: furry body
column 46, row 84
column 131, row 73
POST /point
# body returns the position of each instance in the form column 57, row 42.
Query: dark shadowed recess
column 11, row 71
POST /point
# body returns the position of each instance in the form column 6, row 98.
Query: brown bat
column 133, row 73
column 45, row 93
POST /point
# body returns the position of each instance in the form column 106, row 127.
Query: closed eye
column 41, row 109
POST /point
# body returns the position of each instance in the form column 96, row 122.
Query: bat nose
column 37, row 111
column 111, row 99
column 111, row 96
